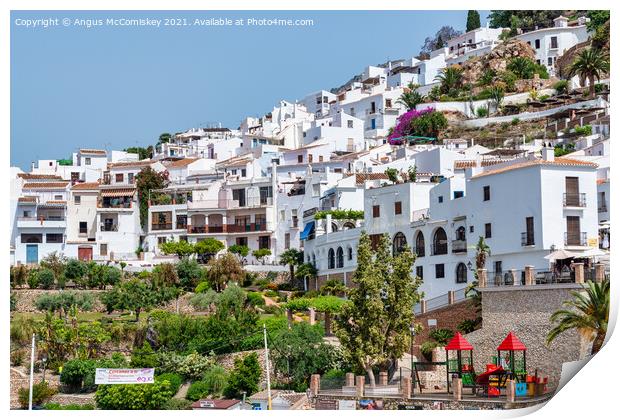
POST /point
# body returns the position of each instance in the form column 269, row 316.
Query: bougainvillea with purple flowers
column 404, row 123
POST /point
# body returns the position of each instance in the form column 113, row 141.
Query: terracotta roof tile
column 45, row 185
column 27, row 199
column 93, row 152
column 538, row 162
column 361, row 178
column 38, row 176
column 462, row 164
column 181, row 163
column 86, row 186
column 136, row 164
column 215, row 404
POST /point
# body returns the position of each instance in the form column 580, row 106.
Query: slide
column 483, row 378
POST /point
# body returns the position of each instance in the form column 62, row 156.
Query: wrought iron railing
column 527, row 238
column 574, row 199
column 575, row 239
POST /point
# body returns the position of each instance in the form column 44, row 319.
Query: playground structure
column 509, row 364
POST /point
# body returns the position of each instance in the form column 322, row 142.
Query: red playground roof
column 511, row 342
column 459, row 342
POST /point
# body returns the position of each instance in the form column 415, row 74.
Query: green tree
column 143, row 153
column 450, row 79
column 182, row 249
column 589, row 65
column 133, row 295
column 411, row 97
column 241, row 251
column 429, row 124
column 597, row 19
column 189, row 272
column 75, row 270
column 56, row 262
column 306, row 270
column 147, row 180
column 392, row 174
column 244, row 377
column 473, row 20
column 63, row 301
column 525, row 19
column 133, row 397
column 292, row 257
column 207, row 248
column 373, row 327
column 46, row 278
column 164, row 138
column 588, row 313
column 261, row 253
column 224, row 269
column 525, row 68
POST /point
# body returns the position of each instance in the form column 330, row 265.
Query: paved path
column 182, row 392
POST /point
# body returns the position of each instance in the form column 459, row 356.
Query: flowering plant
column 403, row 126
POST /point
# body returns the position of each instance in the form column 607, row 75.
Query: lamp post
column 412, row 330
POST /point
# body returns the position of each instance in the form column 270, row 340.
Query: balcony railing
column 527, row 238
column 109, row 228
column 575, row 239
column 602, row 208
column 574, row 199
column 459, row 245
column 161, row 226
column 42, row 219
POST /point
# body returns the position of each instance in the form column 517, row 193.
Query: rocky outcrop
column 496, row 60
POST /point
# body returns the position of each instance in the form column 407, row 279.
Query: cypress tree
column 473, row 20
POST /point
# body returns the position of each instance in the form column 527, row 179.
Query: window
column 419, row 244
column 388, row 103
column 398, row 207
column 287, row 240
column 375, row 240
column 537, row 44
column 26, row 213
column 440, row 242
column 373, row 108
column 486, row 190
column 458, row 194
column 310, row 158
column 264, row 242
column 487, row 230
column 120, row 177
column 239, row 195
column 461, row 273
column 58, row 197
column 550, row 61
column 439, row 271
column 130, row 177
column 87, row 161
column 440, row 199
column 32, row 238
column 242, row 241
column 83, row 228
column 54, row 238
column 181, row 221
column 349, row 253
column 77, row 200
column 320, row 158
column 282, row 215
column 331, row 259
column 376, row 211
column 350, row 124
column 460, row 233
column 399, row 243
column 103, row 249
column 529, row 231
column 316, row 190
column 260, row 221
column 244, row 173
column 554, row 42
column 373, row 123
column 300, row 158
column 339, row 257
column 419, row 272
column 471, row 229
column 161, row 240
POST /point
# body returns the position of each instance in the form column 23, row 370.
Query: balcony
column 459, row 246
column 602, row 208
column 251, row 227
column 42, row 222
column 574, row 199
column 527, row 238
column 108, row 227
column 575, row 239
column 252, row 202
column 161, row 226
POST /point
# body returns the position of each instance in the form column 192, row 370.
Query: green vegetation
column 41, row 392
column 473, row 20
column 147, row 180
column 587, row 312
column 373, row 327
column 526, row 68
column 245, row 377
column 591, row 64
column 134, row 397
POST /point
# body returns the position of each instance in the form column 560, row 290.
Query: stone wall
column 447, row 317
column 526, row 312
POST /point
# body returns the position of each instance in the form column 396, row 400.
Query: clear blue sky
column 116, row 87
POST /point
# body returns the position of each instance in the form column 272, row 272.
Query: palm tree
column 450, row 78
column 292, row 257
column 482, row 252
column 497, row 96
column 590, row 64
column 411, row 97
column 587, row 313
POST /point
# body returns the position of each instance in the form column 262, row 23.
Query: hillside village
column 484, row 160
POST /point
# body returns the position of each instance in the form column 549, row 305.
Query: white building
column 471, row 44
column 82, row 210
column 551, row 43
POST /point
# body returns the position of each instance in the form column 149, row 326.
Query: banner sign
column 124, row 376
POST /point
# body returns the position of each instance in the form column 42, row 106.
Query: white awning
column 561, row 254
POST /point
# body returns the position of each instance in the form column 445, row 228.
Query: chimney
column 548, row 152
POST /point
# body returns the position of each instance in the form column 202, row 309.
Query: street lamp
column 469, row 266
column 412, row 330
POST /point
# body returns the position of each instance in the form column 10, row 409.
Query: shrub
column 144, row 357
column 177, row 404
column 46, row 278
column 75, row 269
column 192, row 366
column 515, row 121
column 17, row 357
column 467, row 325
column 271, row 293
column 255, row 299
column 204, row 301
column 61, row 302
column 244, row 377
column 74, row 373
column 197, row 390
column 441, row 335
column 33, row 278
column 19, row 275
column 189, row 272
column 133, row 397
column 41, row 392
column 585, row 130
column 203, row 287
column 482, row 112
column 175, row 380
column 561, row 86
column 216, row 379
column 427, row 348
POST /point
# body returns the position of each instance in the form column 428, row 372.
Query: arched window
column 461, row 273
column 440, row 242
column 348, row 225
column 460, row 234
column 419, row 244
column 334, row 227
column 339, row 257
column 399, row 243
column 330, row 259
column 350, row 253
